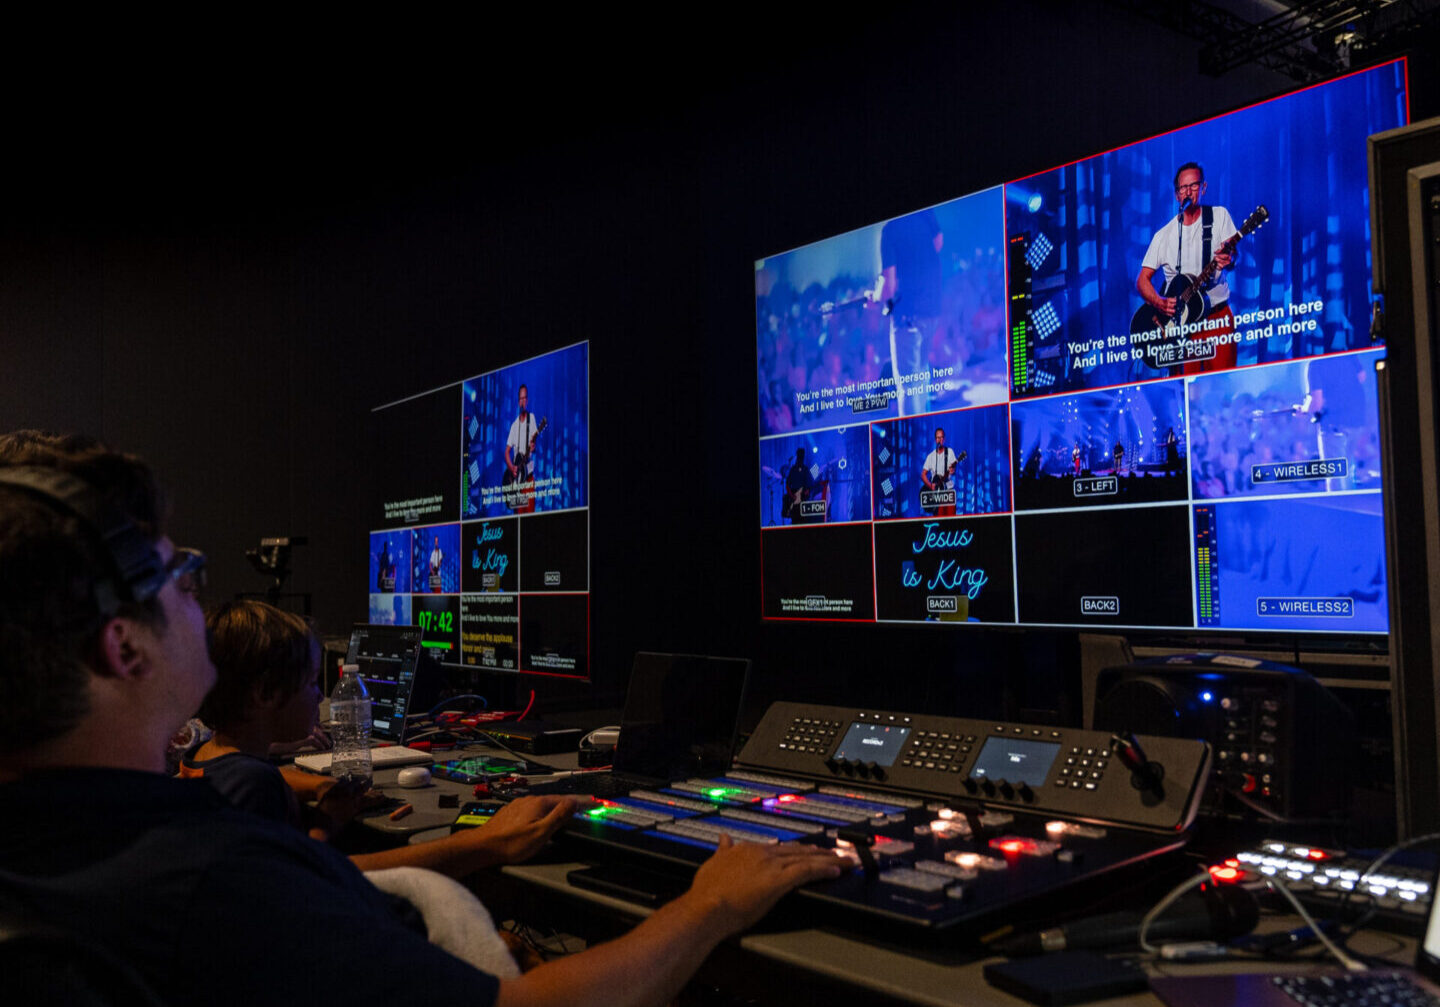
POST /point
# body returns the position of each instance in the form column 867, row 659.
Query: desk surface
column 928, row 978
column 428, row 814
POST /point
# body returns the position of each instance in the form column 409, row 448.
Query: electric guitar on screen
column 1191, row 302
column 510, row 482
column 819, row 489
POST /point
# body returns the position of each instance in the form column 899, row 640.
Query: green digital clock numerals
column 437, row 622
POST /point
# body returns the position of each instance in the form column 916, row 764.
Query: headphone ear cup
column 135, row 572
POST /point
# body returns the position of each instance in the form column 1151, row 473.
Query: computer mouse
column 414, row 776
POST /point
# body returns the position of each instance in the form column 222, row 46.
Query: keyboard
column 380, row 758
column 1399, row 893
column 1354, row 990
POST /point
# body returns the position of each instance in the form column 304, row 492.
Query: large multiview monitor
column 1135, row 391
column 481, row 525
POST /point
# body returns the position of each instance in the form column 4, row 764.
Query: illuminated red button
column 1020, row 845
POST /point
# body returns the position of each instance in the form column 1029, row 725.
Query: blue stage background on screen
column 1326, row 408
column 899, row 449
column 815, row 329
column 837, row 459
column 1139, row 418
column 1132, row 438
column 396, row 546
column 557, row 390
column 390, row 609
column 1302, row 157
column 1312, row 548
column 448, row 536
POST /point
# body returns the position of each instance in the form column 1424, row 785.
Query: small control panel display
column 1016, row 761
column 872, row 743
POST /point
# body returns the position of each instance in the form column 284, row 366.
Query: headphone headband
column 136, row 573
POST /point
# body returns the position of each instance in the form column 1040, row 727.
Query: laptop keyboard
column 380, row 758
column 1360, row 990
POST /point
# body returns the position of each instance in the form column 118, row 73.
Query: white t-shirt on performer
column 1161, row 254
column 939, row 461
column 519, row 441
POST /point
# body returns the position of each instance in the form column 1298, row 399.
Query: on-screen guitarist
column 1187, row 244
column 799, row 484
column 520, row 455
column 939, row 469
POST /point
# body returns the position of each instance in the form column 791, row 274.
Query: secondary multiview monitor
column 481, row 522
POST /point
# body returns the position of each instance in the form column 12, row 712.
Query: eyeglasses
column 187, row 570
column 1188, row 186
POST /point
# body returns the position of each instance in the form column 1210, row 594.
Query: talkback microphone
column 1219, row 914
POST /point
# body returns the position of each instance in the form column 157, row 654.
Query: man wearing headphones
column 102, row 657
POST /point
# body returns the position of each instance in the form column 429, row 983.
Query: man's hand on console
column 743, row 881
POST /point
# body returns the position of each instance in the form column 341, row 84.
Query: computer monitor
column 389, row 657
column 682, row 712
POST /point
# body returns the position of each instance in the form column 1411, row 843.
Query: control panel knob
column 989, row 787
column 876, row 771
column 832, row 765
column 862, row 769
column 970, row 785
column 1026, row 794
column 1006, row 791
column 847, row 767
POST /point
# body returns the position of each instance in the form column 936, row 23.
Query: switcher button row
column 712, row 833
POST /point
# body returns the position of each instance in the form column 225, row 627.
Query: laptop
column 1397, row 985
column 682, row 713
column 391, row 661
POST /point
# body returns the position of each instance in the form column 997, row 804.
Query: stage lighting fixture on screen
column 1046, row 320
column 1039, row 250
column 1113, row 405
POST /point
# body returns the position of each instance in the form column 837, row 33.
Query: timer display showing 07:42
column 435, row 622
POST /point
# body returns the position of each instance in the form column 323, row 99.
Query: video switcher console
column 945, row 820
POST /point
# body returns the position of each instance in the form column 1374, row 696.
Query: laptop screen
column 388, row 657
column 681, row 715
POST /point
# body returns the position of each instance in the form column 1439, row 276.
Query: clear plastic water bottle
column 350, row 715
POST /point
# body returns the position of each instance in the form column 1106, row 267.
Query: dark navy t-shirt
column 248, row 783
column 908, row 244
column 212, row 905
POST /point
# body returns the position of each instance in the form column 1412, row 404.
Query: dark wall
column 232, row 284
